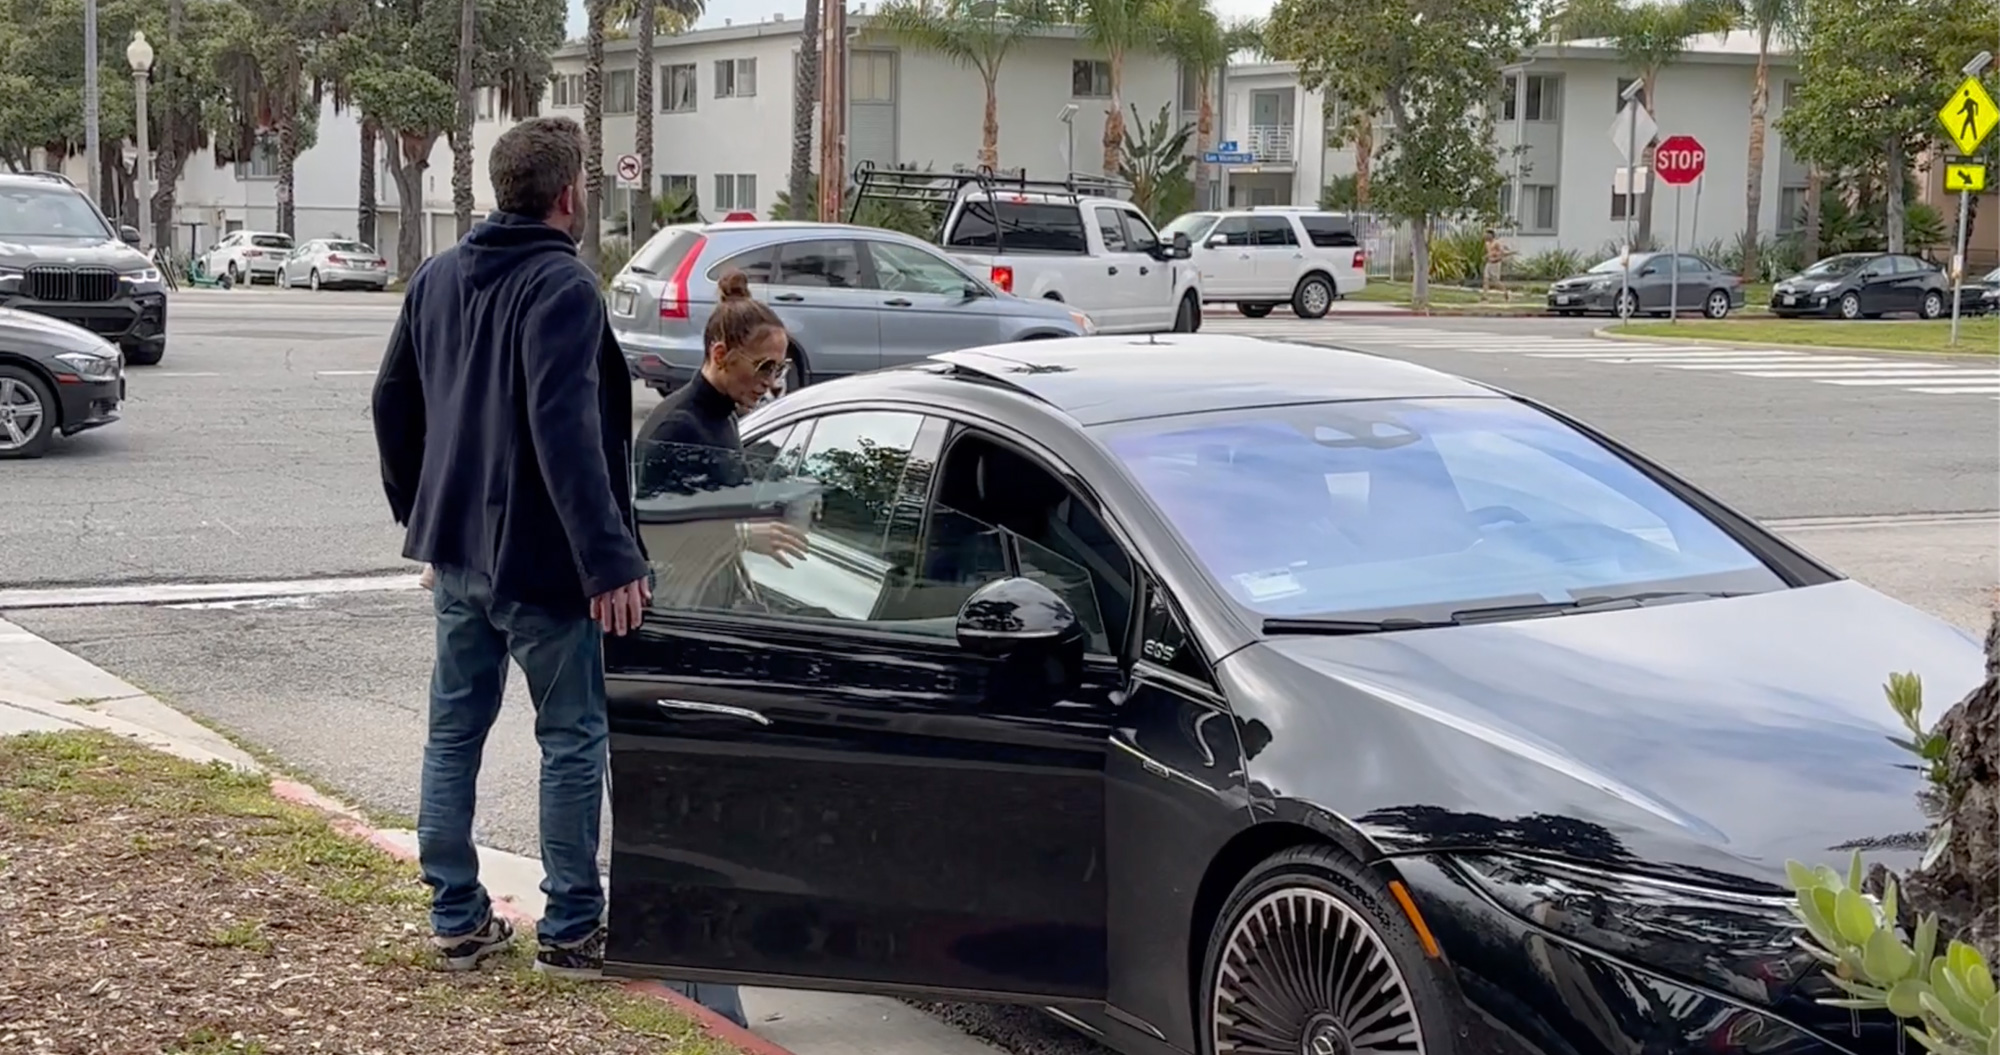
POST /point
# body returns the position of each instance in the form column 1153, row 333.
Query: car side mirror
column 128, row 234
column 971, row 291
column 1217, row 241
column 1010, row 616
column 1643, row 272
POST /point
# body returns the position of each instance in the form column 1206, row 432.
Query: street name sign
column 1230, row 157
column 1968, row 116
column 1680, row 160
column 1625, row 138
column 1965, row 177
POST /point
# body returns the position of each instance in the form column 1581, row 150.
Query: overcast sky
column 753, row 10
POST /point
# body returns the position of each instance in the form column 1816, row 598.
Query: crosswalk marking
column 1864, row 372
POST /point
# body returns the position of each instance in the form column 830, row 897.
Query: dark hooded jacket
column 503, row 417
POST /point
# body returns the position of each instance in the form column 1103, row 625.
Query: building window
column 487, row 99
column 677, row 89
column 735, row 192
column 871, row 77
column 1190, row 90
column 1623, row 204
column 566, row 91
column 263, row 160
column 676, row 184
column 1618, row 97
column 1791, row 209
column 1537, row 213
column 621, row 91
column 735, row 78
column 1542, row 92
column 1090, row 79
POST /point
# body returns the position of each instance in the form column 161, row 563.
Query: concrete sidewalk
column 46, row 689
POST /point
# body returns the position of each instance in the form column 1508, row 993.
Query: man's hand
column 775, row 539
column 620, row 610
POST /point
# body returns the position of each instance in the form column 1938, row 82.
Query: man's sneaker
column 582, row 959
column 462, row 952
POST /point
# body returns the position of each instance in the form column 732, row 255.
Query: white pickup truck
column 1069, row 240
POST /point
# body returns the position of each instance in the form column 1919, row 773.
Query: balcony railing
column 1270, row 144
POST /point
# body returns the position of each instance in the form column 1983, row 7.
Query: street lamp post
column 1068, row 117
column 140, row 54
column 1631, row 96
column 92, row 162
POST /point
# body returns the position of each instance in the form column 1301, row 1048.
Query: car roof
column 1098, row 380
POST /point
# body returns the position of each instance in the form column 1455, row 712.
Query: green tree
column 977, row 34
column 1194, row 35
column 647, row 20
column 1648, row 36
column 264, row 62
column 805, row 105
column 1432, row 63
column 1156, row 162
column 1773, row 21
column 1118, row 28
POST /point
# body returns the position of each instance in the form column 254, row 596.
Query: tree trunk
column 364, row 205
column 169, row 155
column 1642, row 234
column 461, row 133
column 1815, row 182
column 288, row 150
column 1204, row 132
column 412, row 159
column 1420, row 260
column 1963, row 885
column 1364, row 158
column 641, row 220
column 1892, row 196
column 989, row 126
column 593, row 135
column 1114, row 118
column 805, row 97
column 1753, row 190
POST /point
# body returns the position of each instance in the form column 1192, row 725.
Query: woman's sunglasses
column 769, row 369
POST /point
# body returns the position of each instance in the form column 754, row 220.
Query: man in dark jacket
column 502, row 414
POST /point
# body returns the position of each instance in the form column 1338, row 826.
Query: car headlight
column 91, row 367
column 144, row 274
column 1733, row 942
column 1826, row 287
column 1083, row 322
column 1600, row 283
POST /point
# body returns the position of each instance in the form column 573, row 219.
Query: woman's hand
column 775, row 539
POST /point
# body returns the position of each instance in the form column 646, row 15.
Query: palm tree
column 596, row 12
column 1770, row 20
column 261, row 65
column 461, row 133
column 1118, row 28
column 1649, row 36
column 974, row 33
column 647, row 20
column 805, row 100
column 1193, row 35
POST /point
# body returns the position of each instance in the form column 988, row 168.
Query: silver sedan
column 331, row 263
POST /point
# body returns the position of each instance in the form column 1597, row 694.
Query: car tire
column 1187, row 318
column 312, row 280
column 1717, row 304
column 1850, row 305
column 1313, row 297
column 1255, row 311
column 235, row 275
column 1626, row 304
column 1309, row 946
column 1933, row 305
column 28, row 407
column 144, row 353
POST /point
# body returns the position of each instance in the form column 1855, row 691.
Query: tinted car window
column 349, row 247
column 664, row 252
column 1195, row 225
column 831, row 264
column 1139, row 233
column 1910, row 265
column 1836, row 266
column 1420, row 508
column 1111, row 229
column 1695, row 264
column 1163, row 638
column 756, row 264
column 48, row 212
column 1235, row 230
column 1029, row 227
column 1273, row 231
column 1330, row 232
column 271, row 241
column 909, row 269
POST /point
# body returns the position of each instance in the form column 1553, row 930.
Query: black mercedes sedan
column 1319, row 706
column 1864, row 286
column 55, row 380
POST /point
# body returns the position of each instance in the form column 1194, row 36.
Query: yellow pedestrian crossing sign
column 1969, row 115
column 1964, row 178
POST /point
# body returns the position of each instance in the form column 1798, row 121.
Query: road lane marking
column 173, row 373
column 343, row 373
column 171, row 593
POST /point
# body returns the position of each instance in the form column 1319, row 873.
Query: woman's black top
column 689, row 443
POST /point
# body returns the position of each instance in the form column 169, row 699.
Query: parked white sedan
column 334, row 263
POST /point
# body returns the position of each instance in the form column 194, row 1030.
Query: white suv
column 1261, row 257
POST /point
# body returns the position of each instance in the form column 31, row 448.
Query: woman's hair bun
column 733, row 285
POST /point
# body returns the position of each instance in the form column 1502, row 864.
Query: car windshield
column 271, row 241
column 1195, row 225
column 1422, row 509
column 1992, row 278
column 1617, row 264
column 1837, row 265
column 49, row 212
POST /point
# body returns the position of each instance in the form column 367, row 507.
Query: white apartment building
column 1561, row 105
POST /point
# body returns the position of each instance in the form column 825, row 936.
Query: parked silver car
column 333, row 263
column 854, row 298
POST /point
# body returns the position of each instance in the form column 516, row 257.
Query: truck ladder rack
column 939, row 191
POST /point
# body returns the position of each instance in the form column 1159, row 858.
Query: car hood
column 18, row 252
column 1708, row 740
column 27, row 329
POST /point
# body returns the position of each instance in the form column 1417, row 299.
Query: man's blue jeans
column 562, row 658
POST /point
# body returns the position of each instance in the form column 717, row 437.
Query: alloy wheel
column 312, row 279
column 1628, row 304
column 21, row 414
column 1304, row 974
column 1933, row 306
column 1718, row 304
column 1315, row 298
column 1850, row 306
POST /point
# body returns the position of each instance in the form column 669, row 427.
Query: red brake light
column 1360, row 259
column 1004, row 278
column 674, row 295
column 335, row 260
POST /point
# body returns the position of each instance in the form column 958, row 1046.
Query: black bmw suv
column 60, row 257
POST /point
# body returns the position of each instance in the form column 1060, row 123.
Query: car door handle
column 722, row 709
column 1143, row 271
column 897, row 303
column 1112, row 270
column 789, row 298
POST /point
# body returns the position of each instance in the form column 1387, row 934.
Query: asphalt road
column 248, row 455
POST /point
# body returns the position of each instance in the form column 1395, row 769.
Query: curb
column 1718, row 342
column 349, row 821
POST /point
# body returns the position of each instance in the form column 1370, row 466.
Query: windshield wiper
column 1337, row 627
column 1593, row 603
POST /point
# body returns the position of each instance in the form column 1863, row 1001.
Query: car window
column 1110, row 228
column 1910, row 265
column 907, row 269
column 1272, row 231
column 1235, row 230
column 1330, row 232
column 1164, row 639
column 271, row 241
column 348, row 247
column 831, row 263
column 1026, row 227
column 756, row 264
column 1694, row 264
column 1195, row 225
column 1833, row 266
column 48, row 212
column 1420, row 508
column 1139, row 233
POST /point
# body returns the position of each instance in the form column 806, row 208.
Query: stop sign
column 1679, row 160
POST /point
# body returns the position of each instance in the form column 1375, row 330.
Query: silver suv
column 854, row 299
